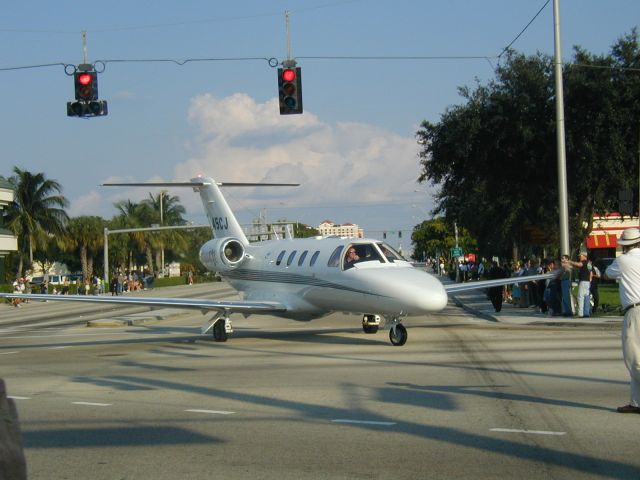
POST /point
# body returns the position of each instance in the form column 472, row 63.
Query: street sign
column 456, row 252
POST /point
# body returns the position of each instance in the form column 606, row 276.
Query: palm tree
column 37, row 211
column 85, row 234
column 167, row 212
column 137, row 215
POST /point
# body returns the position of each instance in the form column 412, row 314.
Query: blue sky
column 353, row 149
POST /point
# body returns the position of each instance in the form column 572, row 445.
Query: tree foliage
column 494, row 156
column 36, row 212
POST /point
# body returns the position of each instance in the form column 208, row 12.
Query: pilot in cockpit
column 351, row 258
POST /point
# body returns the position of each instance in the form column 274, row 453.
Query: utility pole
column 561, row 150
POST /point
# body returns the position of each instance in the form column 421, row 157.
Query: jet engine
column 222, row 253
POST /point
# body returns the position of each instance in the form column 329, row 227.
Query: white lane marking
column 59, row 348
column 363, row 422
column 215, row 412
column 531, row 432
column 8, row 353
column 93, row 404
column 18, row 398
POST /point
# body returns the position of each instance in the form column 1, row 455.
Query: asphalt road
column 464, row 398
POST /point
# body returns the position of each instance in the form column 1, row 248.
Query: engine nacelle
column 222, row 254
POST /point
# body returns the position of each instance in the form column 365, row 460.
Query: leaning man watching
column 626, row 269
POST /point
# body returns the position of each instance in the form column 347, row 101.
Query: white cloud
column 242, row 140
column 341, row 165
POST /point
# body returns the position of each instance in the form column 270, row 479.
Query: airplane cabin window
column 314, row 258
column 280, row 257
column 334, row 260
column 291, row 257
column 302, row 257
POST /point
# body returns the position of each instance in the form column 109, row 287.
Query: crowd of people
column 552, row 296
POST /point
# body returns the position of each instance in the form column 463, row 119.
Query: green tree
column 494, row 157
column 36, row 213
column 84, row 235
column 166, row 210
column 436, row 237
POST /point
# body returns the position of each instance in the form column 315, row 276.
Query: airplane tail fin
column 221, row 219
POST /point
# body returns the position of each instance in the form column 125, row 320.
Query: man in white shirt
column 626, row 269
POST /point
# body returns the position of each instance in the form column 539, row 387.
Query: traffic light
column 85, row 81
column 86, row 84
column 290, row 90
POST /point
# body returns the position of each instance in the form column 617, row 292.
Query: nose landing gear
column 398, row 335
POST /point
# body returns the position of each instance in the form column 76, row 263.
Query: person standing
column 584, row 284
column 626, row 269
column 565, row 286
column 496, row 293
column 595, row 294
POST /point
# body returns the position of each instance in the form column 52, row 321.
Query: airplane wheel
column 219, row 332
column 370, row 328
column 398, row 335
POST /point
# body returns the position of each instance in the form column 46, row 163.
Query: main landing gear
column 221, row 327
column 397, row 333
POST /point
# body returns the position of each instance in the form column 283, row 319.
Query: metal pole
column 161, row 224
column 106, row 257
column 562, row 161
column 286, row 22
column 85, row 55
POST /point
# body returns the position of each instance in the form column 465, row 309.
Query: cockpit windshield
column 390, row 254
column 361, row 252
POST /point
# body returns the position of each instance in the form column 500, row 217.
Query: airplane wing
column 228, row 306
column 463, row 287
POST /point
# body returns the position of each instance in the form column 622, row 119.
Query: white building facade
column 352, row 230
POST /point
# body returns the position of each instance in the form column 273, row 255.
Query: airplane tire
column 219, row 333
column 400, row 337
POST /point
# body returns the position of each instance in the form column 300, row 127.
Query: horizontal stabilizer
column 199, row 184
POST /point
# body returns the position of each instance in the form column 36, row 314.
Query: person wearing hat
column 626, row 269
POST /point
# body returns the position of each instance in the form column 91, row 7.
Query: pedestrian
column 565, row 287
column 593, row 288
column 626, row 269
column 496, row 293
column 584, row 284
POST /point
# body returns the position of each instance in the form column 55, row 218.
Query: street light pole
column 561, row 150
column 162, row 242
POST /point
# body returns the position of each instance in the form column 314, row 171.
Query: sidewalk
column 476, row 303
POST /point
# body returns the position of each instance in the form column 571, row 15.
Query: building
column 327, row 228
column 8, row 242
column 602, row 242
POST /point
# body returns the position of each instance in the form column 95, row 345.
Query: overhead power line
column 524, row 29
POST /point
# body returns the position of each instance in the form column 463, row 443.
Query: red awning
column 607, row 240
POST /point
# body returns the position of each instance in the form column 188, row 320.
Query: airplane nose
column 413, row 291
column 426, row 293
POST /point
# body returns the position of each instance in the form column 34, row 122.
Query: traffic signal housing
column 290, row 90
column 87, row 109
column 85, row 81
column 86, row 85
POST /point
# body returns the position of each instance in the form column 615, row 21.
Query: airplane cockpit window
column 334, row 260
column 291, row 257
column 390, row 254
column 314, row 258
column 280, row 257
column 302, row 257
column 364, row 252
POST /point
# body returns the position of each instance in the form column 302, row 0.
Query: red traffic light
column 288, row 75
column 85, row 78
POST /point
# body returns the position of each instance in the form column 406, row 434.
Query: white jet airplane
column 300, row 279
